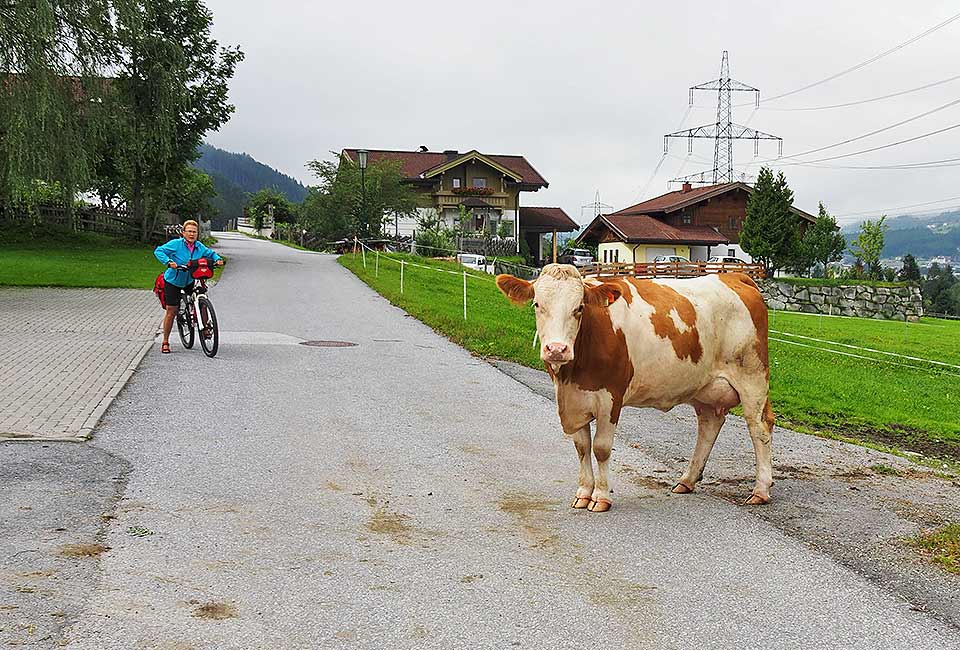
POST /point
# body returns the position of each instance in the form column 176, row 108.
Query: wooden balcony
column 447, row 199
column 670, row 269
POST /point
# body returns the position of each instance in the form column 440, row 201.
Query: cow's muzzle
column 557, row 353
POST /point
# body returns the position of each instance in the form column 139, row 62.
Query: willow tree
column 52, row 57
column 170, row 89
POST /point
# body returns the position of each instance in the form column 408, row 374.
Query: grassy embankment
column 76, row 260
column 880, row 399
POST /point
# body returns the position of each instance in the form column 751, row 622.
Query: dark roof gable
column 414, row 164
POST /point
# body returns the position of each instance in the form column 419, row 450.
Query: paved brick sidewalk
column 66, row 353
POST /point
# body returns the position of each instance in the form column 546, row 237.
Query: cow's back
column 682, row 333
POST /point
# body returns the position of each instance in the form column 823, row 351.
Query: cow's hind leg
column 709, row 422
column 759, row 416
column 581, row 440
column 602, row 445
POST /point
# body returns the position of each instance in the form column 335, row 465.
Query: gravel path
column 402, row 493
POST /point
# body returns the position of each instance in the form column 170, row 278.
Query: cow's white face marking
column 558, row 303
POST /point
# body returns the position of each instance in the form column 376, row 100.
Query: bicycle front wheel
column 209, row 331
column 185, row 323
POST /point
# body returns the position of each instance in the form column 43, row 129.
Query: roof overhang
column 472, row 156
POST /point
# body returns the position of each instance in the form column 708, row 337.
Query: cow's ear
column 517, row 290
column 601, row 295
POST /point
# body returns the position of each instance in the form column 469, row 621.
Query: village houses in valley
column 485, row 187
column 694, row 223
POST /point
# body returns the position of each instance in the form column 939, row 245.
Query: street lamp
column 362, row 161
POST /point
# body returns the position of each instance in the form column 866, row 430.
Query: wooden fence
column 117, row 222
column 671, row 269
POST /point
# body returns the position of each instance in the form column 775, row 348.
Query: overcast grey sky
column 586, row 91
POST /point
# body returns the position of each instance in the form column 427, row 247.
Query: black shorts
column 171, row 293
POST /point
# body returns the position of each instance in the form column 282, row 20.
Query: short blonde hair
column 191, row 222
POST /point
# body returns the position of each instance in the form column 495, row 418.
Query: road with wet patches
column 402, row 493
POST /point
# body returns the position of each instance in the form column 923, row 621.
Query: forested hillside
column 235, row 175
column 925, row 237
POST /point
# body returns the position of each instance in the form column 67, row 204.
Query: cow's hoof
column 600, row 505
column 756, row 500
column 681, row 488
column 580, row 502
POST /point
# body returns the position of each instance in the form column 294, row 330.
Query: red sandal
column 165, row 348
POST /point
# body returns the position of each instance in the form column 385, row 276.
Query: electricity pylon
column 724, row 132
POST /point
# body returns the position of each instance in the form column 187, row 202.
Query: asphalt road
column 401, row 493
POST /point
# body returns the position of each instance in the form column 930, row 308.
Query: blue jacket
column 176, row 250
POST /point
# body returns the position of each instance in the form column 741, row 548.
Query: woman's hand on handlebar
column 218, row 263
column 172, row 264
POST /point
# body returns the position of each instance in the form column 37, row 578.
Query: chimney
column 450, row 154
column 686, row 188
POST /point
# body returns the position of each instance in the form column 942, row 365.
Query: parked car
column 475, row 262
column 725, row 260
column 670, row 258
column 576, row 256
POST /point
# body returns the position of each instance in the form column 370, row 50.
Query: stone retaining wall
column 892, row 303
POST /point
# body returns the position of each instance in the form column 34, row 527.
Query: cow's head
column 559, row 297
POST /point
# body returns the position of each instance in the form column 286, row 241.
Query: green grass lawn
column 76, row 260
column 883, row 399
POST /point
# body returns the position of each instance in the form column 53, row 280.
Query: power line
column 871, row 133
column 865, row 63
column 867, row 101
column 930, row 164
column 902, row 207
column 857, row 153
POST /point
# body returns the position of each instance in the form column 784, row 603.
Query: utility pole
column 597, row 206
column 723, row 132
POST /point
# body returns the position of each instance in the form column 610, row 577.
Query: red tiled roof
column 679, row 199
column 642, row 228
column 415, row 163
column 672, row 200
column 546, row 220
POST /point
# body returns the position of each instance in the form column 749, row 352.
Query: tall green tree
column 822, row 243
column 170, row 89
column 269, row 201
column 868, row 246
column 910, row 271
column 189, row 194
column 771, row 231
column 938, row 295
column 53, row 55
column 343, row 206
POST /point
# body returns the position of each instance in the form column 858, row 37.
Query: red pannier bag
column 203, row 269
column 158, row 290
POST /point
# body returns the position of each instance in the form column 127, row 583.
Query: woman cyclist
column 176, row 254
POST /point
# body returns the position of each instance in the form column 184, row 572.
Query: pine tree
column 822, row 243
column 910, row 271
column 771, row 231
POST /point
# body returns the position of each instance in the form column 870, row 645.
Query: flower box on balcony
column 473, row 191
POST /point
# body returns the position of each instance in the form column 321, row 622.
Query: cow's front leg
column 581, row 440
column 602, row 444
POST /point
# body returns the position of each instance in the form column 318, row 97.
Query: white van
column 472, row 261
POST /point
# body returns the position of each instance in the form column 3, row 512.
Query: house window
column 606, row 252
column 686, row 219
column 479, row 182
column 456, row 183
column 731, row 252
column 734, row 223
column 616, row 255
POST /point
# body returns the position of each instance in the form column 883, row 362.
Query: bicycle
column 196, row 312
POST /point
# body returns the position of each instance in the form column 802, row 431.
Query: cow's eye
column 536, row 305
column 578, row 311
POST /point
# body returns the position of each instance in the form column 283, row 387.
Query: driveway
column 402, row 493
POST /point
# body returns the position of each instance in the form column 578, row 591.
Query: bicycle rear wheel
column 185, row 323
column 209, row 331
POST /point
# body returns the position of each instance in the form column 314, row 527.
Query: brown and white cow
column 638, row 342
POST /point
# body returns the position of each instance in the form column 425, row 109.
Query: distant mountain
column 235, row 175
column 923, row 236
